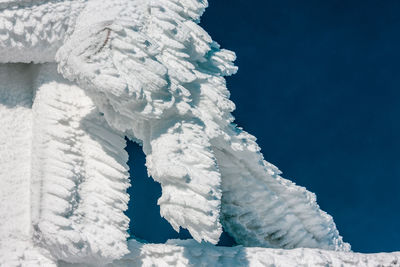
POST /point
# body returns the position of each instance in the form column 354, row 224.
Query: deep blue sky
column 319, row 86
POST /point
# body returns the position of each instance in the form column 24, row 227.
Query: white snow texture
column 146, row 70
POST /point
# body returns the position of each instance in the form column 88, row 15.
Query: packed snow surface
column 97, row 71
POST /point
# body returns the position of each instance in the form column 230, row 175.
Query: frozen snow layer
column 63, row 174
column 142, row 69
column 79, row 175
column 190, row 253
column 33, row 30
column 15, row 157
column 133, row 79
column 260, row 208
column 183, row 162
column 158, row 76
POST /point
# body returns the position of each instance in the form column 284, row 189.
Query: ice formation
column 78, row 76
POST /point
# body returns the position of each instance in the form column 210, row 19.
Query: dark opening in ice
column 146, row 222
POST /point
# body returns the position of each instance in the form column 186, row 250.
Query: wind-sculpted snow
column 79, row 175
column 142, row 69
column 33, row 30
column 277, row 213
column 158, row 77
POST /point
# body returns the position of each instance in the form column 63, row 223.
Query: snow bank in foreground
column 191, row 253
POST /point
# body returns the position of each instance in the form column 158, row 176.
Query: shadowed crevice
column 146, row 224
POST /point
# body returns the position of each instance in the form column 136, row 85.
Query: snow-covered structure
column 78, row 76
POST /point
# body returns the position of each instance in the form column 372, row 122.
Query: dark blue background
column 318, row 85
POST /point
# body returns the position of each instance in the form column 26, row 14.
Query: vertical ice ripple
column 79, row 176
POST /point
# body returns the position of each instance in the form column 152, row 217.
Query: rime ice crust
column 63, row 172
column 158, row 76
column 146, row 70
column 79, row 175
column 33, row 30
column 15, row 147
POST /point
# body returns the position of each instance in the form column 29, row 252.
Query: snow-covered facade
column 76, row 78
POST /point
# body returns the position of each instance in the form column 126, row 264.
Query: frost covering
column 142, row 69
column 190, row 253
